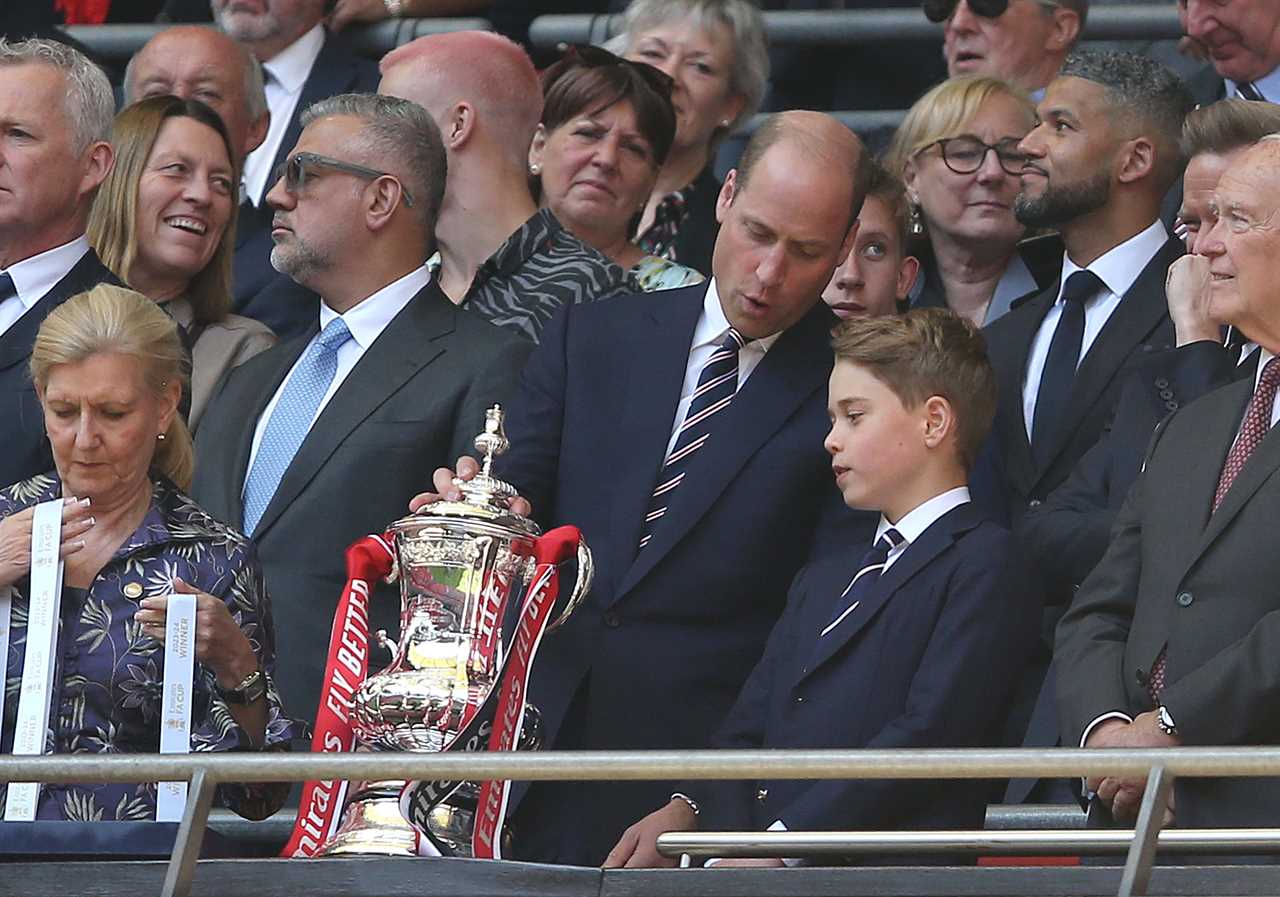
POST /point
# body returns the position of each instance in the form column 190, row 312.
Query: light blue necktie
column 291, row 420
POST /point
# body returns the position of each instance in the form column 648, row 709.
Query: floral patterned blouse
column 108, row 679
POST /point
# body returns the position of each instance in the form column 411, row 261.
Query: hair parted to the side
column 112, row 319
column 113, row 230
column 927, row 352
column 1228, row 125
column 90, row 102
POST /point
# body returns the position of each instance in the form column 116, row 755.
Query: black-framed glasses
column 965, row 155
column 941, row 10
column 296, row 169
column 595, row 57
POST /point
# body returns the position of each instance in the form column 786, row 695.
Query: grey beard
column 1058, row 206
column 298, row 260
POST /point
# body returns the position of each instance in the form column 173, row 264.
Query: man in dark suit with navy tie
column 915, row 646
column 319, row 440
column 302, row 63
column 682, row 432
column 1098, row 164
column 1172, row 640
column 56, row 109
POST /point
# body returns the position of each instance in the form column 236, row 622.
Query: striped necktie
column 717, row 385
column 1247, row 91
column 867, row 575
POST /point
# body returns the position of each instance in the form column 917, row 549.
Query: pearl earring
column 535, row 169
column 160, row 436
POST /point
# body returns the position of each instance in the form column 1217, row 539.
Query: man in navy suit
column 682, row 431
column 302, row 63
column 918, row 644
column 55, row 117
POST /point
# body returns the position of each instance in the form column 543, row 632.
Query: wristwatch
column 251, row 688
column 1164, row 720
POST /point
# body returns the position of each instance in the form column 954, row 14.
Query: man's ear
column 1066, row 28
column 907, row 273
column 939, row 421
column 460, row 124
column 382, row 197
column 725, row 199
column 99, row 158
column 1137, row 161
column 257, row 133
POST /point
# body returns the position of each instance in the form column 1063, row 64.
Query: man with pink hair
column 500, row 255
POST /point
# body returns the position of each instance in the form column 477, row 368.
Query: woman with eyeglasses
column 714, row 52
column 607, row 126
column 957, row 152
column 162, row 221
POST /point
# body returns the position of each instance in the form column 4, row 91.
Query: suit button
column 1162, row 383
column 1171, row 405
column 1184, row 599
column 1141, row 676
column 762, row 795
column 799, row 699
column 1034, row 503
column 611, row 620
column 1166, row 394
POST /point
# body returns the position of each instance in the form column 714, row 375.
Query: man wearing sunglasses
column 317, row 441
column 1021, row 41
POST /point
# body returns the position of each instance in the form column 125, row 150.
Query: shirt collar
column 1120, row 265
column 291, row 66
column 1268, row 85
column 712, row 324
column 35, row 276
column 924, row 515
column 369, row 317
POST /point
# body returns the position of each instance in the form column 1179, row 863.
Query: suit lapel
column 400, row 351
column 649, row 391
column 932, row 542
column 789, row 373
column 1140, row 311
column 16, row 342
column 1021, row 465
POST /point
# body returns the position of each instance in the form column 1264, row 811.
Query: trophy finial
column 493, row 441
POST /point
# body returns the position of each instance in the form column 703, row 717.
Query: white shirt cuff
column 778, row 826
column 1088, row 730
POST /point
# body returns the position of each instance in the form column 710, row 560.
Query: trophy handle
column 586, row 571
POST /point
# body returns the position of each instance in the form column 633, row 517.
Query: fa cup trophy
column 477, row 590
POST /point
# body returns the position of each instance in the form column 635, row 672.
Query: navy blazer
column 668, row 635
column 260, row 291
column 928, row 659
column 26, row 451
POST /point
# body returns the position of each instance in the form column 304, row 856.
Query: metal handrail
column 847, row 27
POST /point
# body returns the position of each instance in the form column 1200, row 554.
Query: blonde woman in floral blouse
column 107, row 366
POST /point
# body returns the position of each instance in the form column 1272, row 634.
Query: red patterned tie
column 1257, row 421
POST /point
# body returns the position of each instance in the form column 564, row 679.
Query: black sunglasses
column 965, row 155
column 296, row 169
column 941, row 10
column 595, row 57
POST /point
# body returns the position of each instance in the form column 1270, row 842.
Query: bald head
column 198, row 63
column 487, row 73
column 819, row 137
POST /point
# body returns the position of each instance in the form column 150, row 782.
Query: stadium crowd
column 965, row 444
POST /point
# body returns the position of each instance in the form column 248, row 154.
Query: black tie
column 1060, row 367
column 1247, row 91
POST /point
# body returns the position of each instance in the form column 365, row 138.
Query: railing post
column 186, row 847
column 1146, row 833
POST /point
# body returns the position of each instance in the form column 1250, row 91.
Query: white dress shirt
column 1268, row 85
column 284, row 76
column 1117, row 268
column 366, row 321
column 34, row 277
column 711, row 328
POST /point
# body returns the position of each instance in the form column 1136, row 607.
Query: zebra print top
column 537, row 270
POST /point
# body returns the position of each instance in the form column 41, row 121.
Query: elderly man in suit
column 1172, row 639
column 302, row 63
column 1025, row 43
column 1242, row 40
column 682, row 431
column 1098, row 164
column 55, row 117
column 320, row 440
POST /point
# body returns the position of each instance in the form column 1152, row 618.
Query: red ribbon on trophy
column 368, row 560
column 502, row 718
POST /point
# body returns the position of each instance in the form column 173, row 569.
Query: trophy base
column 372, row 825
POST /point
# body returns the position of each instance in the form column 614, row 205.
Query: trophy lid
column 484, row 497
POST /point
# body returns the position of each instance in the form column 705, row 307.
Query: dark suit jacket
column 261, row 292
column 26, row 451
column 657, row 654
column 414, row 402
column 1202, row 585
column 1140, row 324
column 1068, row 533
column 926, row 660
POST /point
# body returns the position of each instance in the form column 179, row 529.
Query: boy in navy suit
column 916, row 645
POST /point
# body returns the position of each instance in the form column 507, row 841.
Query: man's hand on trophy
column 638, row 846
column 442, row 479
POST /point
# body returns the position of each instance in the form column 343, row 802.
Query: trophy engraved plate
column 462, row 566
